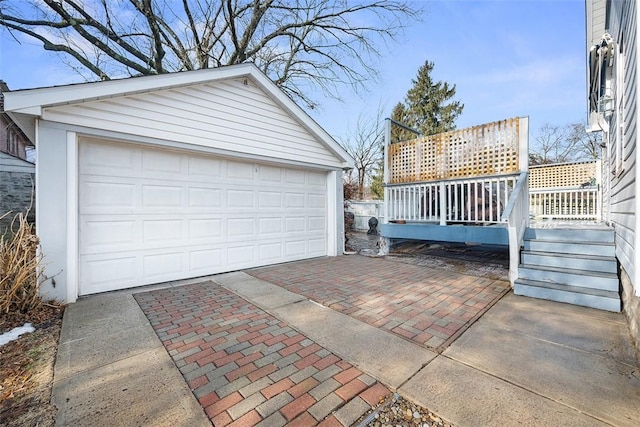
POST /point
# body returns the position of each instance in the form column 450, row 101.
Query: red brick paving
column 244, row 366
column 428, row 306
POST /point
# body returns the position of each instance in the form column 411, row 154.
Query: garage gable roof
column 24, row 105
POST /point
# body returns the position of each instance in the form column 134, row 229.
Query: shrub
column 19, row 267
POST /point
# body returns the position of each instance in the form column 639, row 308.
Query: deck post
column 443, row 203
column 385, row 174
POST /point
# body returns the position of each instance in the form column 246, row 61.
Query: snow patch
column 15, row 333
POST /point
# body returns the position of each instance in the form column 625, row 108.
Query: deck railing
column 469, row 200
column 565, row 203
column 517, row 215
column 568, row 191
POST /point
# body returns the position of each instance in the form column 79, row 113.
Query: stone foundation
column 16, row 191
column 631, row 309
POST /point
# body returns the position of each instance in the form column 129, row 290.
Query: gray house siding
column 622, row 26
column 620, row 22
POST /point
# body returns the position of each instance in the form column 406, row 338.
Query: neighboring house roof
column 25, row 105
column 10, row 163
column 10, row 130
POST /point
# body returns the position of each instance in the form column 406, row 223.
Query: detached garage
column 159, row 178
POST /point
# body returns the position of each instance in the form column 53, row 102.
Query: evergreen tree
column 428, row 106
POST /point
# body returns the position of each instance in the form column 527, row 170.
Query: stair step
column 594, row 298
column 573, row 235
column 573, row 261
column 583, row 248
column 567, row 276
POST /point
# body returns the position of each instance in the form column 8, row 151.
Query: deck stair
column 575, row 266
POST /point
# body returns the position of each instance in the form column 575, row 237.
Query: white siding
column 596, row 12
column 622, row 26
column 232, row 115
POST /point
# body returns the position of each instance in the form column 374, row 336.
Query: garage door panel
column 295, row 248
column 317, row 223
column 239, row 171
column 317, row 246
column 162, row 230
column 108, row 232
column 294, row 200
column 101, row 158
column 316, row 179
column 239, row 199
column 176, row 215
column 294, row 177
column 269, row 199
column 270, row 174
column 203, row 229
column 240, row 227
column 166, row 162
column 317, row 201
column 239, row 256
column 201, row 197
column 163, row 264
column 270, row 251
column 111, row 273
column 267, row 226
column 108, row 194
column 161, row 196
column 295, row 224
column 204, row 168
column 206, row 261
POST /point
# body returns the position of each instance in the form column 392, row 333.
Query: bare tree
column 588, row 144
column 297, row 43
column 561, row 144
column 553, row 145
column 364, row 143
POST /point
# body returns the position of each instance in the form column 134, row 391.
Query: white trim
column 524, row 144
column 72, row 217
column 332, row 220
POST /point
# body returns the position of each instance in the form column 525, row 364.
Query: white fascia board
column 32, row 101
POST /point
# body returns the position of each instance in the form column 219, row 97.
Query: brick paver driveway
column 429, row 306
column 247, row 368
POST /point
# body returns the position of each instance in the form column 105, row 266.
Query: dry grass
column 19, row 267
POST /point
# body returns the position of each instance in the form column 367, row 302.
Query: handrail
column 515, row 195
column 457, row 179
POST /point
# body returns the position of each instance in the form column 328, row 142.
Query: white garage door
column 148, row 215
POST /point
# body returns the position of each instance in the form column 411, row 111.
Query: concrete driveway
column 319, row 342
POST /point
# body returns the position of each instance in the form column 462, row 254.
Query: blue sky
column 506, row 58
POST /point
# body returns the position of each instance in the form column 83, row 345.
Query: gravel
column 396, row 411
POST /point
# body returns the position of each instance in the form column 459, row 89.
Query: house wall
column 17, row 185
column 622, row 25
column 231, row 115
